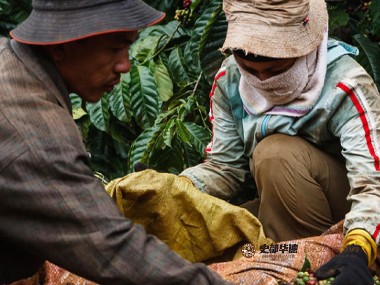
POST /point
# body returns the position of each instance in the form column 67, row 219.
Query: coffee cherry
column 186, row 4
column 308, row 278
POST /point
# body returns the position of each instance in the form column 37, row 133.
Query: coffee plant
column 158, row 114
column 357, row 22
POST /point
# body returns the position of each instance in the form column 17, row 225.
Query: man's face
column 92, row 66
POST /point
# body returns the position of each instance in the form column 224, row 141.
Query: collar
column 44, row 70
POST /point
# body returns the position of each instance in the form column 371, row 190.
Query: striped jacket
column 345, row 121
column 51, row 205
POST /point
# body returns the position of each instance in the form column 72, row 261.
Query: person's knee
column 275, row 147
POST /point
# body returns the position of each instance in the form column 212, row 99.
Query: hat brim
column 279, row 41
column 58, row 27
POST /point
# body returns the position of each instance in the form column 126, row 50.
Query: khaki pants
column 302, row 190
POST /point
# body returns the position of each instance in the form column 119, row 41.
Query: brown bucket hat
column 61, row 21
column 275, row 28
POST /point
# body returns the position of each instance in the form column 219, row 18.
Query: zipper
column 264, row 126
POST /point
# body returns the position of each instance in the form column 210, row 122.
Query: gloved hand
column 349, row 267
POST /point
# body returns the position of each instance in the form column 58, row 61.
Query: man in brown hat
column 52, row 207
column 295, row 112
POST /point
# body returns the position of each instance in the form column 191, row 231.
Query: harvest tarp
column 206, row 229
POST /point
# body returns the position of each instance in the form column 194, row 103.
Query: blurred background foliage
column 158, row 114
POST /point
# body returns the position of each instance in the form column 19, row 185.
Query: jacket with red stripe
column 345, row 121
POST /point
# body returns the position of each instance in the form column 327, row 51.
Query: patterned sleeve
column 53, row 208
column 225, row 169
column 357, row 124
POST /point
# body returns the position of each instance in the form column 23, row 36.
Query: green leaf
column 142, row 147
column 20, row 16
column 186, row 107
column 117, row 133
column 99, row 114
column 78, row 113
column 13, row 12
column 207, row 20
column 195, row 4
column 199, row 137
column 210, row 56
column 208, row 36
column 168, row 133
column 144, row 48
column 76, row 101
column 168, row 30
column 163, row 81
column 144, row 96
column 177, row 64
column 84, row 124
column 192, row 59
column 190, row 103
column 190, row 156
column 104, row 158
column 169, row 159
column 338, row 18
column 122, row 149
column 183, row 133
column 369, row 56
column 120, row 103
column 306, row 265
column 5, row 7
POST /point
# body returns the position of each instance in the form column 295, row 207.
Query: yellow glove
column 363, row 239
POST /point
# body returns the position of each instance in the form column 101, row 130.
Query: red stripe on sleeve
column 376, row 233
column 217, row 76
column 350, row 92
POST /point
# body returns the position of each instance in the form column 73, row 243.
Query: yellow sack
column 195, row 225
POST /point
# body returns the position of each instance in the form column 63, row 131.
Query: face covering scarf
column 291, row 93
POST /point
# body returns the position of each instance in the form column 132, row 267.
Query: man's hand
column 349, row 267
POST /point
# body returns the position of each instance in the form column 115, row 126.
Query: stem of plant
column 165, row 45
